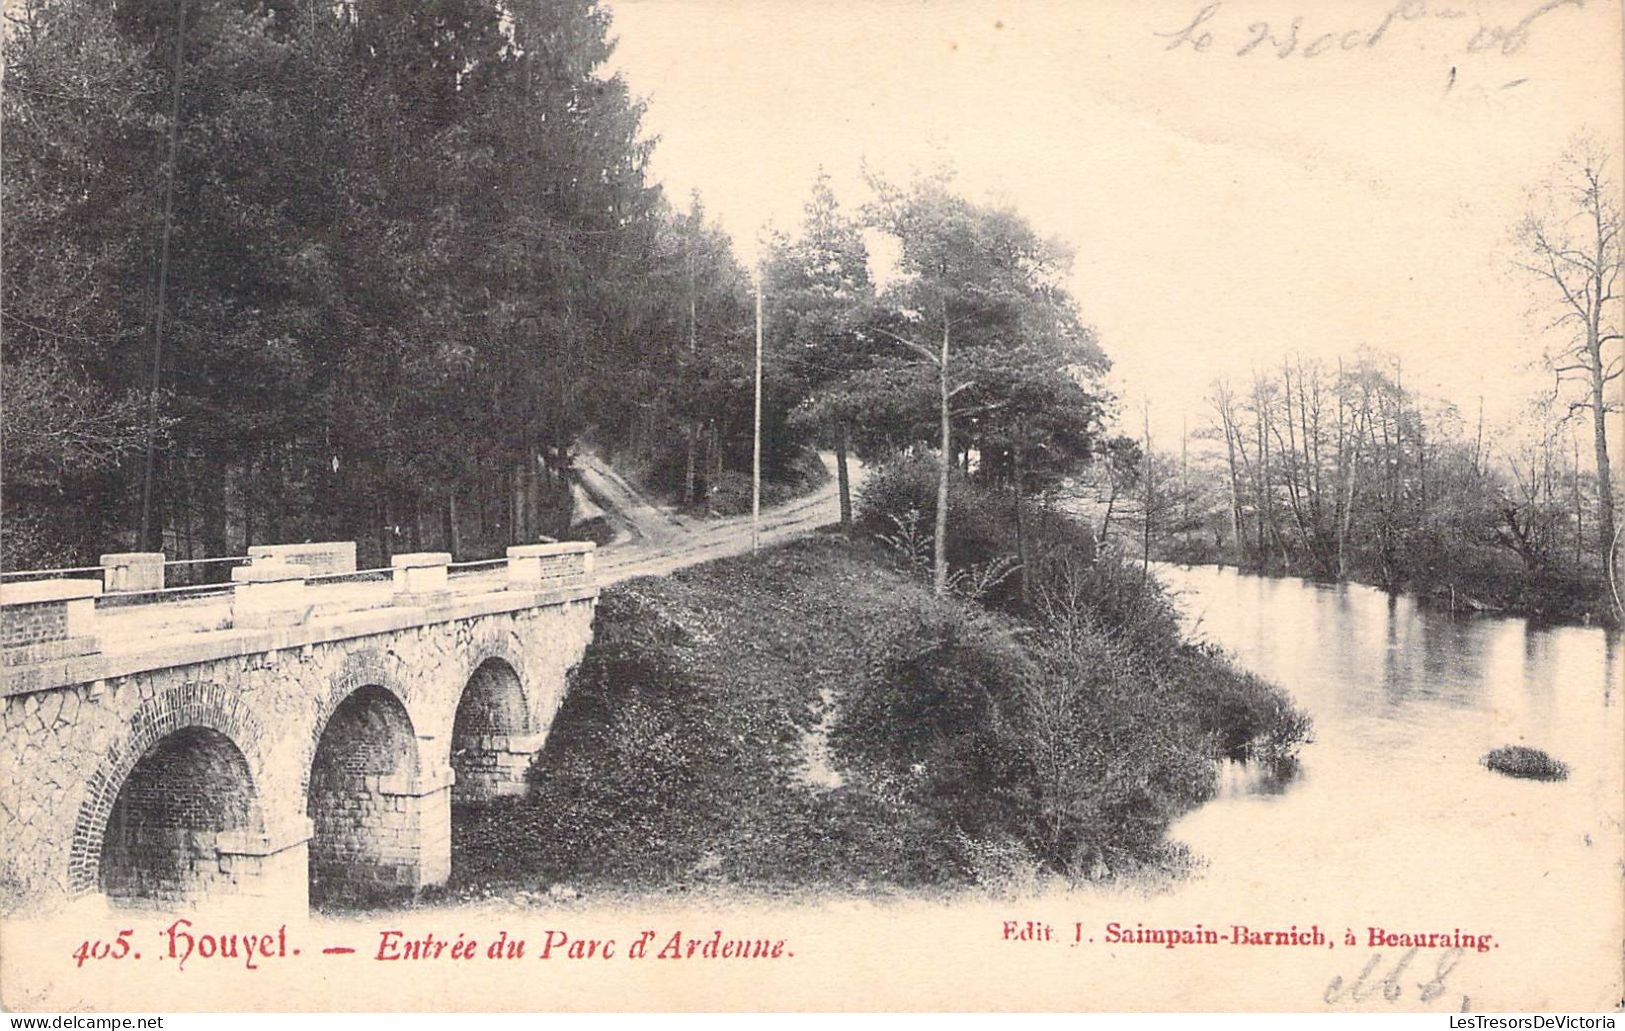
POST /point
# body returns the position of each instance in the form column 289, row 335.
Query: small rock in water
column 1528, row 763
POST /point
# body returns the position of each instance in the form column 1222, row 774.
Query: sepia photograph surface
column 705, row 505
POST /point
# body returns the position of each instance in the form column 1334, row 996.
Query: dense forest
column 357, row 271
column 283, row 271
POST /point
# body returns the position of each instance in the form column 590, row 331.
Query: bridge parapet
column 133, row 571
column 420, row 576
column 269, row 594
column 269, row 603
column 533, row 566
column 285, row 732
column 322, row 558
column 48, row 619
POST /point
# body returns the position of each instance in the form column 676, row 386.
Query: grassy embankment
column 969, row 746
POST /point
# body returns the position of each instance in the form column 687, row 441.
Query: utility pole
column 756, row 443
column 693, row 351
column 149, row 471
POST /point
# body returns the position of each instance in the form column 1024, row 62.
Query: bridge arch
column 380, row 816
column 163, row 841
column 493, row 733
column 167, row 799
column 371, row 668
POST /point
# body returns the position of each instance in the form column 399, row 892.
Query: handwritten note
column 1231, row 29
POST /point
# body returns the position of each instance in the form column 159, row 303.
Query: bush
column 1072, row 743
column 801, row 475
column 937, row 720
column 898, row 505
column 1528, row 763
column 904, row 490
column 789, row 471
column 1073, row 738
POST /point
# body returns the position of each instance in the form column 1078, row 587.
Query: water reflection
column 1244, row 777
column 1391, row 802
column 1351, row 652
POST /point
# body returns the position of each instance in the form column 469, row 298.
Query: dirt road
column 653, row 540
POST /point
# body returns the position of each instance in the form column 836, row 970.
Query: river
column 1391, row 820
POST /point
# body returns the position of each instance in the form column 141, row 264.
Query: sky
column 1236, row 190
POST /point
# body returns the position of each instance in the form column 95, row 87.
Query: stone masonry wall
column 66, row 753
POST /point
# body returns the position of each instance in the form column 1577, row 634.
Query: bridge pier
column 268, row 866
column 396, row 836
column 493, row 765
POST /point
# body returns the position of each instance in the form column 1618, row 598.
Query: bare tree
column 1223, row 402
column 1572, row 249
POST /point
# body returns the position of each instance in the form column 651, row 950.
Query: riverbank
column 1551, row 599
column 814, row 719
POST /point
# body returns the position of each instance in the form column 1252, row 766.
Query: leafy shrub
column 801, row 474
column 904, row 491
column 897, row 505
column 1109, row 596
column 598, row 529
column 788, row 472
column 935, row 718
column 914, row 543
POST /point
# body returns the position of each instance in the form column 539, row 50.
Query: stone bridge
column 303, row 732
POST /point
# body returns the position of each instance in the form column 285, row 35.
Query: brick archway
column 379, row 805
column 496, row 649
column 189, row 798
column 370, row 668
column 364, row 770
column 493, row 736
column 204, row 706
